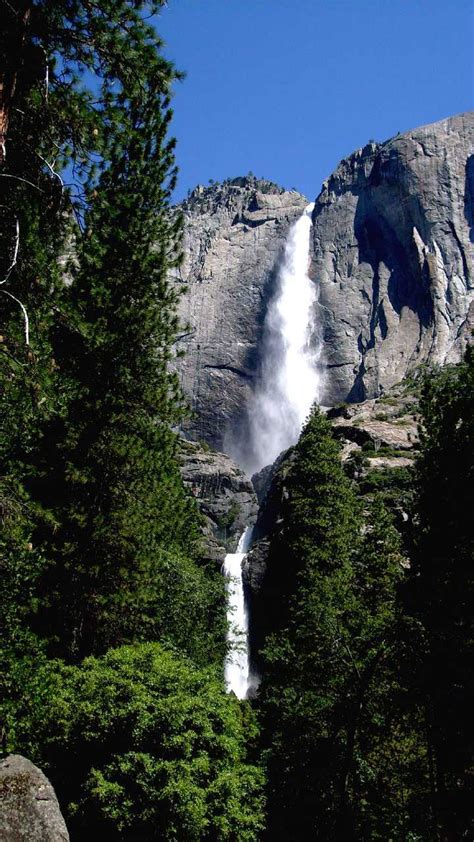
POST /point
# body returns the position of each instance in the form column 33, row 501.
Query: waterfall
column 237, row 670
column 288, row 381
column 287, row 386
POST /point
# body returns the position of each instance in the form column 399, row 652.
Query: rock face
column 386, row 423
column 224, row 494
column 233, row 237
column 29, row 809
column 391, row 255
column 393, row 233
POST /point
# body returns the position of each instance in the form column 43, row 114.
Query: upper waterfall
column 288, row 382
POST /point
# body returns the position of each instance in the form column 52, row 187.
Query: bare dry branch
column 15, row 254
column 51, row 169
column 18, row 178
column 25, row 314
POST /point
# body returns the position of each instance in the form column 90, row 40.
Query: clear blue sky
column 286, row 88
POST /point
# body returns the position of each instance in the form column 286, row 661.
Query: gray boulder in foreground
column 29, row 809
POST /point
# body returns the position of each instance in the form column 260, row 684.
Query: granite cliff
column 393, row 235
column 391, row 256
column 233, row 238
column 224, row 494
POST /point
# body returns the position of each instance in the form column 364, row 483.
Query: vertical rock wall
column 392, row 255
column 233, row 236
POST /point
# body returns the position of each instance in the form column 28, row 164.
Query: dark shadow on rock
column 469, row 196
column 379, row 241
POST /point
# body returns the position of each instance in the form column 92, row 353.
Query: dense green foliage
column 144, row 746
column 367, row 688
column 326, row 681
column 441, row 594
column 88, row 423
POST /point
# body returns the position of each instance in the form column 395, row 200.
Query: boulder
column 29, row 809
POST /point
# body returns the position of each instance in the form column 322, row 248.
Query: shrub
column 140, row 744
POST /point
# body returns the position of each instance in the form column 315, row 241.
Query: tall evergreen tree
column 100, row 540
column 303, row 656
column 107, row 474
column 329, row 664
column 90, row 402
column 442, row 589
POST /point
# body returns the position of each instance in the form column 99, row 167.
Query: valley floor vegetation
column 113, row 625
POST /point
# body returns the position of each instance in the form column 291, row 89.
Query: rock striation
column 392, row 254
column 29, row 809
column 234, row 234
column 388, row 423
column 225, row 497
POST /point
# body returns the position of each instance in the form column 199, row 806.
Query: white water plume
column 288, row 381
column 287, row 386
column 237, row 669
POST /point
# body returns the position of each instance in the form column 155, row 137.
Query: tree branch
column 25, row 314
column 15, row 253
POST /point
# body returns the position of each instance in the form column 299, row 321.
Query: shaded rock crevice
column 224, row 495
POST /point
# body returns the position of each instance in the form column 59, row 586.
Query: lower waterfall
column 237, row 665
column 288, row 383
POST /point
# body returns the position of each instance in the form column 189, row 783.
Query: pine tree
column 90, row 403
column 442, row 589
column 303, row 655
column 100, row 538
column 328, row 686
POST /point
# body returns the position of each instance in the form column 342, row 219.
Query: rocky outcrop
column 225, row 496
column 392, row 249
column 386, row 423
column 233, row 236
column 29, row 809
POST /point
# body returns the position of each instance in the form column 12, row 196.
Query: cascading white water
column 237, row 670
column 287, row 386
column 288, row 381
